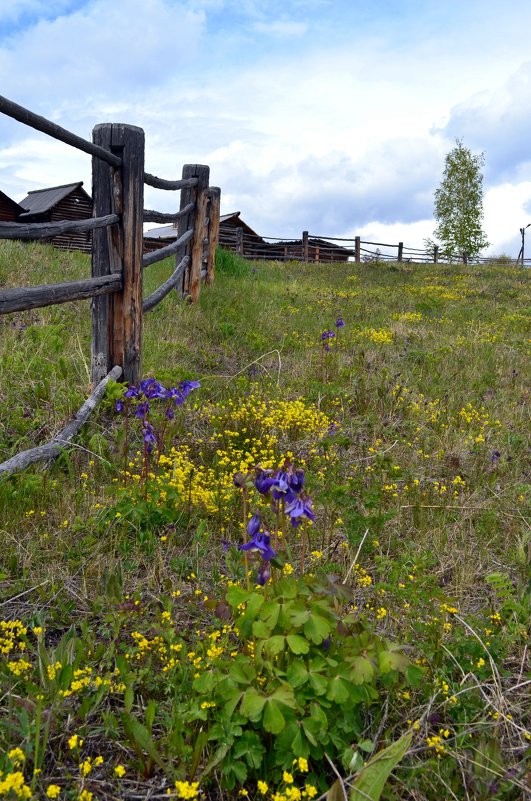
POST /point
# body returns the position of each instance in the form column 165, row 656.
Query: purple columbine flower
column 264, row 481
column 142, row 409
column 340, row 322
column 169, row 413
column 148, row 432
column 259, row 542
column 119, row 405
column 264, row 573
column 152, row 388
column 327, row 335
column 187, row 386
column 296, row 481
column 131, row 392
column 299, row 509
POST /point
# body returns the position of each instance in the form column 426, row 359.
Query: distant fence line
column 322, row 248
column 118, row 261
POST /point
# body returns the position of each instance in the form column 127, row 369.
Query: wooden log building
column 67, row 202
column 9, row 210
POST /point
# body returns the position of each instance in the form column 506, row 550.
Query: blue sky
column 327, row 115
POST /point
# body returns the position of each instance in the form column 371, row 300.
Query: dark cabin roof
column 42, row 200
column 235, row 221
column 17, row 208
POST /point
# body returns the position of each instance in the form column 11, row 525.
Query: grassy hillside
column 129, row 618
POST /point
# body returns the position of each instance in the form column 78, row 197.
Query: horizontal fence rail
column 118, row 258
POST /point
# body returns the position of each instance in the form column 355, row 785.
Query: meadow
column 361, row 430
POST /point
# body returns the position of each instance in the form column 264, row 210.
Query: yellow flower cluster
column 186, row 790
column 14, row 785
column 11, row 634
column 380, row 336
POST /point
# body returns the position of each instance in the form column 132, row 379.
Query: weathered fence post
column 305, row 247
column 197, row 195
column 465, row 257
column 117, row 318
column 435, row 254
column 357, row 249
column 239, row 241
column 400, row 250
column 214, row 194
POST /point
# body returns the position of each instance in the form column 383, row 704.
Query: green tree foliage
column 459, row 203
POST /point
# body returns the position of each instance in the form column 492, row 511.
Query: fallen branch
column 56, row 446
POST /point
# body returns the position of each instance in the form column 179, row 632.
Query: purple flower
column 300, row 508
column 187, row 386
column 142, row 409
column 296, row 481
column 148, row 432
column 131, row 392
column 340, row 322
column 327, row 335
column 152, row 388
column 260, row 539
column 264, row 573
column 170, row 414
column 119, row 405
column 263, row 481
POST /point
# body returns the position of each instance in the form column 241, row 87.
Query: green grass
column 419, row 490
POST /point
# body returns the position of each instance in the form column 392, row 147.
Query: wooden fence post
column 214, row 193
column 465, row 257
column 305, row 248
column 197, row 195
column 400, row 250
column 435, row 254
column 117, row 318
column 239, row 241
column 357, row 249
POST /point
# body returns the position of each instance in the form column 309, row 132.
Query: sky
column 332, row 116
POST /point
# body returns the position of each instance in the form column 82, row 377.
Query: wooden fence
column 118, row 179
column 118, row 261
column 323, row 249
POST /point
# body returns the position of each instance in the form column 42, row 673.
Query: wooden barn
column 9, row 210
column 319, row 250
column 228, row 224
column 67, row 202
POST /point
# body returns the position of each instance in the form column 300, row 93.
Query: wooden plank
column 357, row 250
column 198, row 241
column 158, row 216
column 400, row 251
column 162, row 183
column 34, row 297
column 167, row 250
column 106, row 252
column 56, row 446
column 176, row 277
column 23, row 231
column 190, row 194
column 126, row 342
column 213, row 233
column 27, row 117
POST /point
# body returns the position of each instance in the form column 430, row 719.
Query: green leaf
column 373, row 776
column 274, row 720
column 199, row 746
column 336, row 791
column 297, row 613
column 317, row 628
column 297, row 644
column 275, row 645
column 139, row 736
column 392, row 660
column 297, row 675
column 362, row 670
column 338, row 690
column 237, row 595
column 252, row 704
column 261, row 630
column 318, row 683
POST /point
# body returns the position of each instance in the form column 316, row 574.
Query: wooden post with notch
column 214, row 194
column 357, row 249
column 400, row 250
column 117, row 318
column 195, row 220
column 305, row 246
